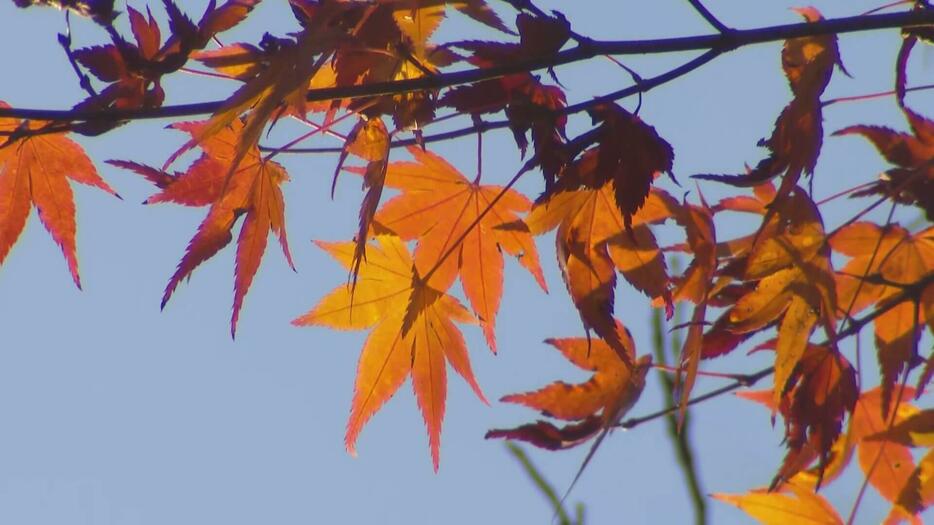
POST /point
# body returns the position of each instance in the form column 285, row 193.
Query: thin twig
column 708, row 16
column 887, row 6
column 880, row 94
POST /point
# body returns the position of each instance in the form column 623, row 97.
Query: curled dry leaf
column 134, row 71
column 795, row 142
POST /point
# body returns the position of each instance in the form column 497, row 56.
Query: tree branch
column 584, row 51
column 484, row 126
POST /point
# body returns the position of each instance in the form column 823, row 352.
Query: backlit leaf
column 413, row 334
column 252, row 190
column 790, row 505
column 34, row 171
column 438, row 206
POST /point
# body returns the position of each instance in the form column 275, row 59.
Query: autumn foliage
column 794, row 285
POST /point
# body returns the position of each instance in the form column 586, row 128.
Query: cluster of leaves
column 600, row 198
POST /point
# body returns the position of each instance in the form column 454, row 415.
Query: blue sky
column 114, row 413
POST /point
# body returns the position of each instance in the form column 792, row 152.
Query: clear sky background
column 114, row 413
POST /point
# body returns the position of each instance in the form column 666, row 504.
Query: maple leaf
column 529, row 104
column 252, row 190
column 820, row 392
column 592, row 243
column 795, row 142
column 598, row 404
column 630, row 154
column 126, row 67
column 912, row 182
column 737, row 248
column 35, row 169
column 544, row 434
column 245, row 61
column 462, row 221
column 798, row 466
column 792, row 504
column 476, row 9
column 282, row 83
column 884, row 260
column 887, row 464
column 792, row 266
column 134, row 71
column 413, row 334
column 606, row 397
column 918, row 492
column 914, row 431
column 391, row 43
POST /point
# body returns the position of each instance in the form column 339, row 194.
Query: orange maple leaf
column 887, row 464
column 792, row 267
column 882, row 261
column 791, row 504
column 912, row 182
column 413, row 334
column 281, row 84
column 819, row 394
column 252, row 189
column 34, row 169
column 593, row 242
column 880, row 440
column 441, row 208
column 597, row 404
